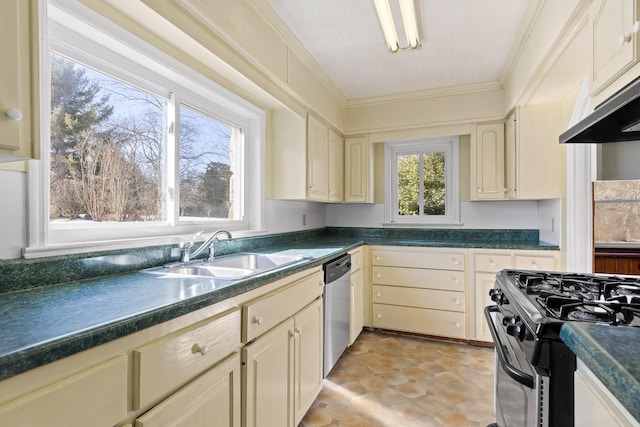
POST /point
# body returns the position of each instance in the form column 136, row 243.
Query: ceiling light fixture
column 408, row 12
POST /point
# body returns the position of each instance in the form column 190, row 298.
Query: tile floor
column 396, row 380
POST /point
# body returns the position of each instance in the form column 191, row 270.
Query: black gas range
column 534, row 368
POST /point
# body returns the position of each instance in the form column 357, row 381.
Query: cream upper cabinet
column 487, row 150
column 317, row 159
column 306, row 159
column 615, row 40
column 357, row 177
column 19, row 80
column 335, row 167
column 535, row 161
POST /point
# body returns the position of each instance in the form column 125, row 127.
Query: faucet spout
column 208, row 243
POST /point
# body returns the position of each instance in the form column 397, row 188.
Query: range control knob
column 518, row 330
column 497, row 296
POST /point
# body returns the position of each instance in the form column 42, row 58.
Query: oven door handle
column 521, row 377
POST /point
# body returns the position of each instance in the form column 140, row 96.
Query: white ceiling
column 463, row 42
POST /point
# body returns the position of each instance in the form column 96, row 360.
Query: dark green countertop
column 612, row 353
column 53, row 308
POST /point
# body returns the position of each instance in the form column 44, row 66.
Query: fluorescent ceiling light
column 408, row 11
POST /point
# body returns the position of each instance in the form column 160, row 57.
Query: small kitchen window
column 422, row 182
column 137, row 144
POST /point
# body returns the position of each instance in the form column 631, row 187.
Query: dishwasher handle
column 337, row 268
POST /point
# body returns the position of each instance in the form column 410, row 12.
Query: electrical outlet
column 304, row 219
column 553, row 224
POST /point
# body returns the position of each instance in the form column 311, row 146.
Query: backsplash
column 20, row 274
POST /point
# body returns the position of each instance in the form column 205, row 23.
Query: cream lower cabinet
column 419, row 290
column 282, row 362
column 93, row 397
column 484, row 264
column 594, row 403
column 356, row 313
column 211, row 399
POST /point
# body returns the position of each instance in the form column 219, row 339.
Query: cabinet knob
column 202, row 349
column 456, row 301
column 492, row 262
column 456, row 261
column 378, row 294
column 455, row 280
column 625, row 38
column 379, row 316
column 377, row 258
column 378, row 275
column 456, row 324
column 257, row 320
column 362, row 194
column 353, row 285
column 534, row 264
column 636, row 27
column 479, row 190
column 13, row 114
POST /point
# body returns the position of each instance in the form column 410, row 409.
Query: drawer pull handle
column 202, row 349
column 257, row 320
column 299, row 330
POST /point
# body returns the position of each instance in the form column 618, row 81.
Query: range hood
column 616, row 119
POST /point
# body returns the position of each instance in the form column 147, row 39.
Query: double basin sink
column 230, row 267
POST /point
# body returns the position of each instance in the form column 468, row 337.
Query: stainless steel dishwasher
column 337, row 277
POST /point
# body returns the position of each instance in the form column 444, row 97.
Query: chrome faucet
column 185, row 255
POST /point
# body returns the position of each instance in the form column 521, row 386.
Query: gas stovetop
column 561, row 297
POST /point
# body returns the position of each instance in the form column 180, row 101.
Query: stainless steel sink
column 235, row 266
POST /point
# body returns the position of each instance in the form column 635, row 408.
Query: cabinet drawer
column 217, row 392
column 492, row 262
column 418, row 259
column 418, row 278
column 536, row 262
column 95, row 397
column 422, row 298
column 162, row 366
column 356, row 260
column 419, row 320
column 265, row 313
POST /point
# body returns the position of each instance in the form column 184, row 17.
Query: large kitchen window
column 138, row 145
column 422, row 181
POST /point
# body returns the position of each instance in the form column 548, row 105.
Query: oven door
column 516, row 382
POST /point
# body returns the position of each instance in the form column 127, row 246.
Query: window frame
column 450, row 145
column 142, row 65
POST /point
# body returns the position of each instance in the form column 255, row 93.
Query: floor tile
column 387, row 379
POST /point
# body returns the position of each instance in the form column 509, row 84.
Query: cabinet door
column 511, row 156
column 336, row 167
column 212, row 399
column 94, row 397
column 317, row 159
column 614, row 40
column 268, row 378
column 308, row 337
column 356, row 177
column 483, row 283
column 19, row 82
column 356, row 321
column 489, row 162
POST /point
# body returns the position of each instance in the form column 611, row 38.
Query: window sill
column 423, row 225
